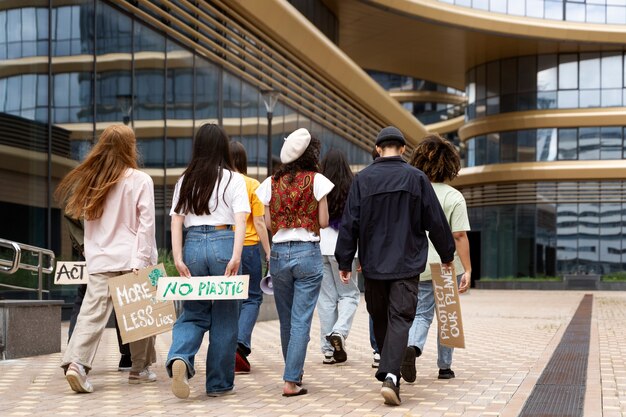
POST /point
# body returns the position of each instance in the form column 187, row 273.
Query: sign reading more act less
column 448, row 305
column 139, row 313
column 204, row 288
column 71, row 273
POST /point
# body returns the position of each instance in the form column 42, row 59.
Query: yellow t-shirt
column 256, row 209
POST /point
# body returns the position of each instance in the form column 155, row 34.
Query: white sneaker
column 77, row 378
column 142, row 377
column 180, row 384
column 376, row 361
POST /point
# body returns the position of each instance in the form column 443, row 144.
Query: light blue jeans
column 250, row 265
column 207, row 252
column 338, row 302
column 423, row 318
column 296, row 269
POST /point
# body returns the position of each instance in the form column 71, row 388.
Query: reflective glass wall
column 551, row 81
column 590, row 11
column 70, row 69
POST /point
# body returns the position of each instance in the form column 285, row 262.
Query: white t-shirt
column 232, row 199
column 321, row 187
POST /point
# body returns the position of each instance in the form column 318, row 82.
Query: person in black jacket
column 390, row 207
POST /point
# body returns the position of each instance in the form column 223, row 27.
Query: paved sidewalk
column 510, row 336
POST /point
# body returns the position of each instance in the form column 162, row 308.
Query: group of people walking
column 326, row 223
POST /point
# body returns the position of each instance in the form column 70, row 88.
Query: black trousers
column 392, row 305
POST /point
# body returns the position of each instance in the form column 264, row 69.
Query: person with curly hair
column 440, row 161
column 338, row 302
column 296, row 208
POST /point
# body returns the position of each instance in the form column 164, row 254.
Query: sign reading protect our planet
column 203, row 288
column 71, row 273
column 448, row 306
column 139, row 313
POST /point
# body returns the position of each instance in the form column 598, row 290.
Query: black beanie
column 390, row 133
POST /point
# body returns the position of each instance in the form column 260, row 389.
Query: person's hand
column 182, row 268
column 135, row 271
column 447, row 268
column 466, row 280
column 233, row 267
column 345, row 276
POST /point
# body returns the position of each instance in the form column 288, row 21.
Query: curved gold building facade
column 543, row 136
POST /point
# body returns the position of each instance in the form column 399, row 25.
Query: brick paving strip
column 560, row 391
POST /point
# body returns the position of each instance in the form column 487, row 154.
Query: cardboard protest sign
column 204, row 288
column 71, row 273
column 448, row 305
column 139, row 313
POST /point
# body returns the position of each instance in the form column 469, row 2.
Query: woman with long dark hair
column 338, row 302
column 116, row 201
column 209, row 198
column 295, row 199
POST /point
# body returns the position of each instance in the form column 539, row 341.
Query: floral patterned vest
column 293, row 204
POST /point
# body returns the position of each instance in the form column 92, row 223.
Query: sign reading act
column 71, row 273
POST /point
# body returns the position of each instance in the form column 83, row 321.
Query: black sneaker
column 125, row 363
column 338, row 343
column 407, row 370
column 390, row 392
column 446, row 374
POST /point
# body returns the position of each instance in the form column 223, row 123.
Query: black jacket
column 390, row 207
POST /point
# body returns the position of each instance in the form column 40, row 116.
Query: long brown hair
column 437, row 158
column 210, row 157
column 85, row 188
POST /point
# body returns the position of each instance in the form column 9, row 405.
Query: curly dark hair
column 437, row 158
column 335, row 167
column 308, row 161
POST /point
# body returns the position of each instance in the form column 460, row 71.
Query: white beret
column 295, row 145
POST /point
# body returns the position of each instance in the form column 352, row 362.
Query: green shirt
column 453, row 205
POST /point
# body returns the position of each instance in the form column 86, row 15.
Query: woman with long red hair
column 116, row 201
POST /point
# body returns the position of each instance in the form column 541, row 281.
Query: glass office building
column 69, row 69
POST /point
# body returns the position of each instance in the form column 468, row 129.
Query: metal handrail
column 13, row 265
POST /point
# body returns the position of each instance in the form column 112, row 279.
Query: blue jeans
column 337, row 303
column 423, row 318
column 296, row 269
column 372, row 338
column 250, row 265
column 207, row 252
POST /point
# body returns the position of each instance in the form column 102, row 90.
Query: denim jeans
column 207, row 252
column 423, row 318
column 296, row 269
column 372, row 337
column 250, row 265
column 337, row 303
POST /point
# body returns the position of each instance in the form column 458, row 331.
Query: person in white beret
column 295, row 198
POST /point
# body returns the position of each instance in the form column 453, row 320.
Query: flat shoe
column 295, row 394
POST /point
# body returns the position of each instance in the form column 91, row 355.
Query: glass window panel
column 611, row 70
column 575, row 12
column 546, row 144
column 616, row 15
column 610, row 235
column 589, row 98
column 547, row 100
column 517, row 8
column 527, row 74
column 553, row 10
column 149, row 94
column 588, row 233
column 596, row 14
column 589, row 143
column 526, row 145
column 481, row 4
column 113, row 88
column 471, row 152
column 612, row 98
column 14, row 23
column 611, row 143
column 493, row 79
column 480, row 150
column 481, row 84
column 534, row 8
column 180, row 79
column 147, row 39
column 508, row 147
column 508, row 74
column 568, row 99
column 498, row 6
column 207, row 86
column 568, row 144
column 568, row 71
column 114, row 30
column 589, row 75
column 567, row 238
column 493, row 148
column 546, row 73
column 29, row 24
